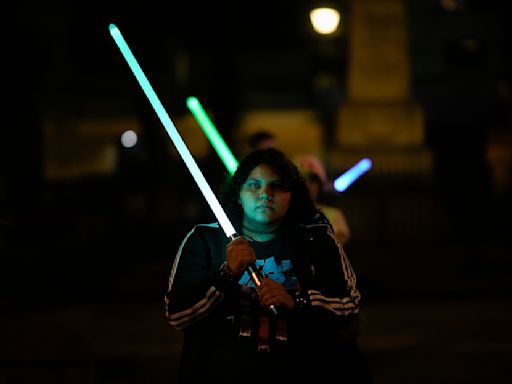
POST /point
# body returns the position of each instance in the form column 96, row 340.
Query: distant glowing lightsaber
column 343, row 181
column 180, row 145
column 212, row 134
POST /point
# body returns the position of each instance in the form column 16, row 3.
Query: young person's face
column 265, row 200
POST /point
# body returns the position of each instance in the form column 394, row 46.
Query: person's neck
column 258, row 234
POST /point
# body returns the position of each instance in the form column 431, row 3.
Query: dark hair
column 256, row 138
column 302, row 209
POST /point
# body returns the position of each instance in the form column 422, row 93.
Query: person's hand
column 239, row 254
column 270, row 292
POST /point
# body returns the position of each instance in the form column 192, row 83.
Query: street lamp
column 325, row 20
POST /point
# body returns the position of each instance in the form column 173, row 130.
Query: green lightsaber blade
column 173, row 133
column 212, row 134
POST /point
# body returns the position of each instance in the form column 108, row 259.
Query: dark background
column 84, row 268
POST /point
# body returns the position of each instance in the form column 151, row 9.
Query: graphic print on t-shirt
column 282, row 273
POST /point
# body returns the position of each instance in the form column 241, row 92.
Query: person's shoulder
column 207, row 228
column 204, row 230
column 205, row 233
column 315, row 227
column 332, row 213
column 329, row 209
column 313, row 233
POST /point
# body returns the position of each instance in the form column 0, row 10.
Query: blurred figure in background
column 316, row 177
column 262, row 139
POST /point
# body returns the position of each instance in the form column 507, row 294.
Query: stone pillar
column 378, row 119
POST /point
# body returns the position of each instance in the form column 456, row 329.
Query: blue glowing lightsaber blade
column 180, row 145
column 212, row 134
column 343, row 181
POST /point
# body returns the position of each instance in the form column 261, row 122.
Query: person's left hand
column 270, row 292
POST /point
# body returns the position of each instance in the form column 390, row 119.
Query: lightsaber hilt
column 254, row 273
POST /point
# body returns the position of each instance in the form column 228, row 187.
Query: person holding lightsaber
column 227, row 324
column 265, row 286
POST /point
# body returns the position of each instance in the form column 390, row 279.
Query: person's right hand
column 239, row 254
column 273, row 293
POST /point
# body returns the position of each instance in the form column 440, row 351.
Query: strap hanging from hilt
column 263, row 334
column 280, row 331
